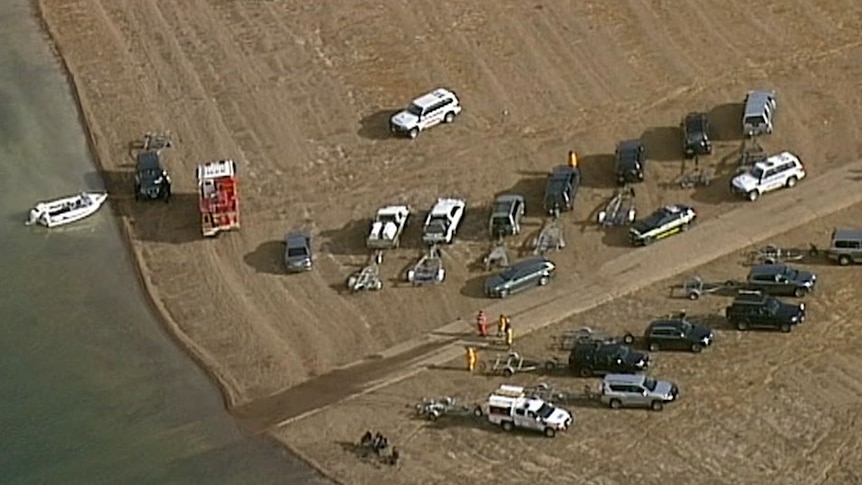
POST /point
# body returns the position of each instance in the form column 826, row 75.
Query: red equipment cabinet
column 218, row 197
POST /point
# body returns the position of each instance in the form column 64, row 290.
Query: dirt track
column 299, row 95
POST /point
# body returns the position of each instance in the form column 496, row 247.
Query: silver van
column 637, row 391
column 845, row 246
column 759, row 113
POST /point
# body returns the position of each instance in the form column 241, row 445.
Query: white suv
column 777, row 171
column 438, row 106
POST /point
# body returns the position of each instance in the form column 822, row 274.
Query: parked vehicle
column 631, row 161
column 506, row 215
column 439, row 106
column 634, row 390
column 561, row 189
column 677, row 333
column 776, row 172
column 754, row 310
column 596, row 358
column 512, row 407
column 758, row 113
column 387, row 226
column 695, row 135
column 662, row 223
column 527, row 273
column 780, row 279
column 218, row 197
column 152, row 180
column 845, row 246
column 297, row 252
column 443, row 221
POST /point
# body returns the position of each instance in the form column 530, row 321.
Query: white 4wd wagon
column 777, row 171
column 438, row 106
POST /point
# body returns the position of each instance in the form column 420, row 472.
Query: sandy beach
column 299, row 95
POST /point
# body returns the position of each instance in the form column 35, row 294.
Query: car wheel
column 684, row 227
column 753, row 195
column 550, row 432
column 504, row 293
column 508, row 372
column 543, row 280
column 654, row 347
column 585, row 372
column 615, row 404
column 844, row 260
column 477, row 411
column 648, row 240
column 791, row 182
column 693, row 295
column 628, row 339
column 799, row 292
column 507, row 426
column 657, row 405
column 414, row 133
column 742, row 325
column 696, row 348
column 785, row 327
column 450, row 117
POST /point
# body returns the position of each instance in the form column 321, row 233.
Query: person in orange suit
column 482, row 324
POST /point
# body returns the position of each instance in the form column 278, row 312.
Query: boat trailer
column 368, row 278
column 429, row 269
column 694, row 287
column 434, row 409
column 553, row 395
column 620, row 210
column 511, row 363
column 772, row 254
column 567, row 341
column 497, row 257
column 550, row 238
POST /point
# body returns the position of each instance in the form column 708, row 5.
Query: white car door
column 772, row 179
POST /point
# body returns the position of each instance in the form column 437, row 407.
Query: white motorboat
column 66, row 210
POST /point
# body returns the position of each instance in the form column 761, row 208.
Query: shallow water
column 92, row 391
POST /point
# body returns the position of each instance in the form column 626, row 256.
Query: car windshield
column 437, row 224
column 757, row 172
column 500, row 221
column 791, row 273
column 772, row 306
column 296, row 252
column 545, row 411
column 650, row 383
column 685, row 326
column 414, row 110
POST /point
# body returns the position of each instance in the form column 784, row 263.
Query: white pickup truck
column 443, row 220
column 387, row 226
column 511, row 407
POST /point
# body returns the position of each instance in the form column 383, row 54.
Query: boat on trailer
column 67, row 209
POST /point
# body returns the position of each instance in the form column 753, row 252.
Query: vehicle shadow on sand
column 375, row 126
column 267, row 258
column 347, row 240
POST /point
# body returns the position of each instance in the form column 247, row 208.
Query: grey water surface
column 92, row 391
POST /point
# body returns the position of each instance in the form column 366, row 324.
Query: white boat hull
column 67, row 210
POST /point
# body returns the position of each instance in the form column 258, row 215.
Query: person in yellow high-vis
column 472, row 358
column 510, row 336
column 501, row 325
column 573, row 159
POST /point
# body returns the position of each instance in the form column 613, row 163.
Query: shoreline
column 172, row 329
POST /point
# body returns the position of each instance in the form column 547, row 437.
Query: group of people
column 504, row 327
column 504, row 330
column 378, row 443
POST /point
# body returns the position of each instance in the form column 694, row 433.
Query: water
column 91, row 389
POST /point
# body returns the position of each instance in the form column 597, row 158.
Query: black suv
column 591, row 358
column 780, row 279
column 562, row 187
column 631, row 161
column 752, row 309
column 677, row 333
column 151, row 178
column 695, row 135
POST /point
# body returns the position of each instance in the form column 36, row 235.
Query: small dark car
column 152, row 180
column 527, row 273
column 631, row 161
column 561, row 189
column 780, row 279
column 596, row 358
column 506, row 215
column 695, row 135
column 677, row 334
column 297, row 252
column 754, row 310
